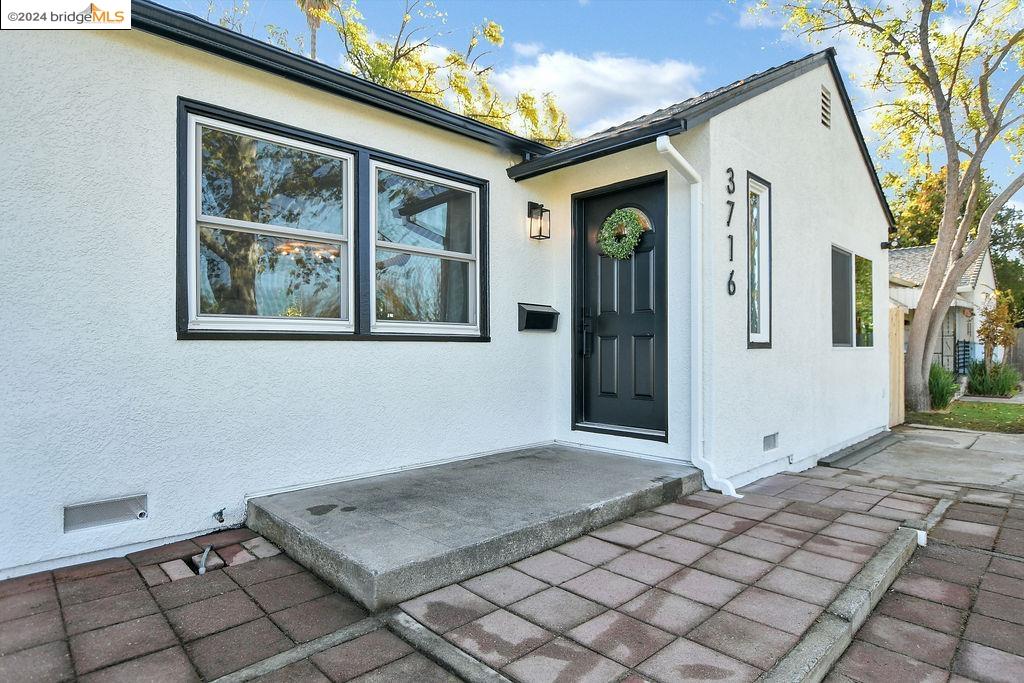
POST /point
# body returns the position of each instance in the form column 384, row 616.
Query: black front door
column 620, row 351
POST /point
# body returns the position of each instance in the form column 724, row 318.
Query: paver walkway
column 125, row 619
column 707, row 588
column 957, row 610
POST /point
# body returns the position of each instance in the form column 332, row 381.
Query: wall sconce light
column 540, row 221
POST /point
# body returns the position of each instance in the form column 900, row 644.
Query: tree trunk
column 918, row 398
column 312, row 43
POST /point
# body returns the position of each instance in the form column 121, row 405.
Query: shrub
column 941, row 386
column 1001, row 380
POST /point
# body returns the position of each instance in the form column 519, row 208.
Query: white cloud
column 602, row 90
column 527, row 49
column 754, row 19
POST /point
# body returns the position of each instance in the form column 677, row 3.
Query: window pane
column 247, row 274
column 422, row 213
column 842, row 299
column 253, row 180
column 422, row 288
column 754, row 261
column 864, row 303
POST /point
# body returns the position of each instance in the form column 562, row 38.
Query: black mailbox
column 537, row 317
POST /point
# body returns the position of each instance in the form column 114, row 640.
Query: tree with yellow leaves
column 411, row 63
column 950, row 83
column 998, row 326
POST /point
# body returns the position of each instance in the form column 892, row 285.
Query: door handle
column 587, row 333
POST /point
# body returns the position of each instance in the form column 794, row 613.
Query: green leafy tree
column 918, row 209
column 950, row 82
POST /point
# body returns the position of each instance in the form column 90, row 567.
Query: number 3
column 731, row 187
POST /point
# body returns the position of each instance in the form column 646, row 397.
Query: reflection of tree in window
column 253, row 180
column 427, row 215
column 754, row 261
column 863, row 302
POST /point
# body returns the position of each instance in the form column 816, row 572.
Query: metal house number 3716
column 730, row 187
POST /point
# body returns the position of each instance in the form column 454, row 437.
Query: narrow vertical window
column 864, row 325
column 842, row 297
column 759, row 263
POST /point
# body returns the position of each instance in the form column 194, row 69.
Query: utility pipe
column 697, row 457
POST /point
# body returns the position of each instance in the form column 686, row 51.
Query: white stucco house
column 265, row 274
column 959, row 343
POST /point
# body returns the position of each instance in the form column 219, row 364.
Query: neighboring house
column 265, row 274
column 959, row 343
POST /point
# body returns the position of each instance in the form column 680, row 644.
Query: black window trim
column 754, row 178
column 361, row 236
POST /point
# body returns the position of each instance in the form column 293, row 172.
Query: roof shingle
column 911, row 264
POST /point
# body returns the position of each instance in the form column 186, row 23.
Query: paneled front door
column 620, row 349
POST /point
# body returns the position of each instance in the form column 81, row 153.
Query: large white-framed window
column 268, row 232
column 425, row 253
column 852, row 299
column 759, row 262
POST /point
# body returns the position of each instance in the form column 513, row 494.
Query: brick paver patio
column 956, row 612
column 706, row 588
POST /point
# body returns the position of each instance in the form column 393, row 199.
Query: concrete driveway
column 946, row 455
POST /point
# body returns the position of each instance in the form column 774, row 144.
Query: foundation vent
column 771, row 442
column 826, row 107
column 104, row 512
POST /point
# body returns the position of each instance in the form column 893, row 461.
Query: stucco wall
column 816, row 396
column 101, row 400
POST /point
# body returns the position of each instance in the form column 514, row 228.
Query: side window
column 842, row 298
column 864, row 323
column 759, row 263
column 852, row 300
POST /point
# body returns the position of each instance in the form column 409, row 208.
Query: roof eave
column 598, row 148
column 197, row 33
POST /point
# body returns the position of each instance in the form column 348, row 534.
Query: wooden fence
column 897, row 395
column 1016, row 355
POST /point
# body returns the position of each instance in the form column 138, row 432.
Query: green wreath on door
column 620, row 234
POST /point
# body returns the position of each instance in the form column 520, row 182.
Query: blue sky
column 606, row 60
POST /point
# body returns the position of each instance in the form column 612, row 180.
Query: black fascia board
column 594, row 150
column 192, row 31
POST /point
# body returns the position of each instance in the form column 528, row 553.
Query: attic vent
column 826, row 107
column 771, row 442
column 104, row 512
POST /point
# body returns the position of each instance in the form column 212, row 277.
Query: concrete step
column 389, row 538
column 850, row 456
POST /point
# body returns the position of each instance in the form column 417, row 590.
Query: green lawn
column 984, row 417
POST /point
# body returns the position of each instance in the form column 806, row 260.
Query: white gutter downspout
column 689, row 173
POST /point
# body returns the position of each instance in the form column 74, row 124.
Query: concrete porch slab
column 389, row 538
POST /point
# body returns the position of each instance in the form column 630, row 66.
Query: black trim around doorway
column 577, row 423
